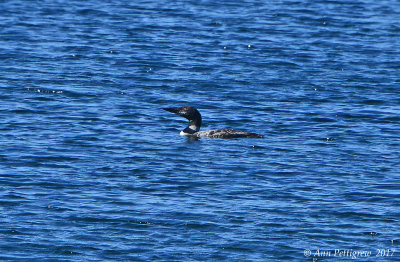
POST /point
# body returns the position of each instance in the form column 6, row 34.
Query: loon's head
column 189, row 113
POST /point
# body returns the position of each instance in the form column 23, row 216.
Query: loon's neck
column 191, row 114
column 193, row 127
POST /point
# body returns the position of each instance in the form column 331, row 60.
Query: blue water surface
column 92, row 168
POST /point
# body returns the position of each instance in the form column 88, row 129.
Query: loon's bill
column 193, row 128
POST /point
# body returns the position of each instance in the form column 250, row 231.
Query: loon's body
column 193, row 129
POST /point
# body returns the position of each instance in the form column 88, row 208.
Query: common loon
column 193, row 129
